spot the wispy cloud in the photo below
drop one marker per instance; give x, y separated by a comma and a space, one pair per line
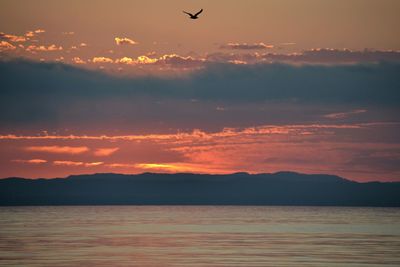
67, 163
76, 163
58, 149
298, 129
30, 161
342, 115
121, 165
93, 164
334, 56
103, 152
246, 46
124, 41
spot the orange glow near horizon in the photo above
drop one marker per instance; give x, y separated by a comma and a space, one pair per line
313, 148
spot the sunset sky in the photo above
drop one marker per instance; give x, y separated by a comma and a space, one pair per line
257, 86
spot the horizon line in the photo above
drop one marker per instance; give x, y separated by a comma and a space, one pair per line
194, 173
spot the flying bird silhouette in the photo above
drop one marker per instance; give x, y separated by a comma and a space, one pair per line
195, 16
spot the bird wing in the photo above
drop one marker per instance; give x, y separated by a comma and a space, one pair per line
190, 14
198, 13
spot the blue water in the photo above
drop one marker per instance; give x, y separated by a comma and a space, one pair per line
199, 236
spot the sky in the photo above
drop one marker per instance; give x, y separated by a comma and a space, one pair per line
251, 86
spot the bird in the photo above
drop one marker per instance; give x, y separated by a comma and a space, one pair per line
195, 16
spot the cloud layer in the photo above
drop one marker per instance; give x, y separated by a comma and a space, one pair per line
340, 119
52, 94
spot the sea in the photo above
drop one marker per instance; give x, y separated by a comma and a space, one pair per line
162, 236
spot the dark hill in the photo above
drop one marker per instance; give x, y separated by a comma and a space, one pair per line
282, 188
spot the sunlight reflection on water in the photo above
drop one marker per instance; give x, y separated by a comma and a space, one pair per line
199, 236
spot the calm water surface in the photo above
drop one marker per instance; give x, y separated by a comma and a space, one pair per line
199, 236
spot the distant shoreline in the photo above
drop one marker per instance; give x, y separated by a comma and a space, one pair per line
238, 189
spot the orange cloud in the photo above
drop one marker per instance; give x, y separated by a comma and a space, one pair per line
93, 164
4, 46
58, 149
125, 60
34, 33
30, 161
43, 48
102, 152
67, 163
76, 163
12, 38
238, 62
102, 60
246, 46
146, 60
138, 60
30, 34
76, 47
171, 61
175, 60
124, 41
78, 60
168, 60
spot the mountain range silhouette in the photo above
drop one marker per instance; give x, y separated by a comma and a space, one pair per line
282, 188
